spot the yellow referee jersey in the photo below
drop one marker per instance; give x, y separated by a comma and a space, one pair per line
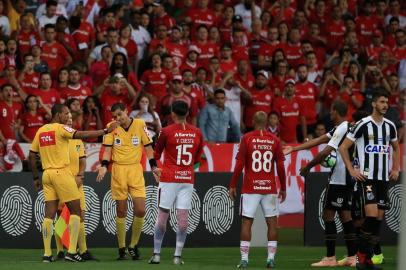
127, 144
52, 143
76, 151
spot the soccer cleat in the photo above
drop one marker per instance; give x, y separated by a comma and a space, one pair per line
326, 262
134, 252
47, 259
73, 257
243, 264
87, 256
61, 255
378, 259
177, 260
347, 261
270, 263
155, 259
368, 265
122, 256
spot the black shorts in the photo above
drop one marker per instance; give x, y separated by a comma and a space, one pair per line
374, 192
338, 198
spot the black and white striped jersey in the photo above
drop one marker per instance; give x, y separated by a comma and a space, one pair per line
372, 146
339, 175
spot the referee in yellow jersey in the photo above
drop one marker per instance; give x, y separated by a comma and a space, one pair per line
125, 146
51, 142
77, 158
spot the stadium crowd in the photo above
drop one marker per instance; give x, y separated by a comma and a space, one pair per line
227, 59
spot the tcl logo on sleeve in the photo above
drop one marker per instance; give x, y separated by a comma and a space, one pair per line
47, 138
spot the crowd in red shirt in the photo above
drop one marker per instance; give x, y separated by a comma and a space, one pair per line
291, 60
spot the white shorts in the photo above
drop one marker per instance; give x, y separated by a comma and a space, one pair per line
249, 204
169, 193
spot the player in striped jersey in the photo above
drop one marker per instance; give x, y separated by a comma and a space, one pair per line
372, 136
339, 189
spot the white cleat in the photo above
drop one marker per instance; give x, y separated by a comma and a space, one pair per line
155, 259
177, 260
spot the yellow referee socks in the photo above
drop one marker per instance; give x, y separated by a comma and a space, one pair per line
82, 238
58, 242
120, 223
74, 223
136, 231
47, 235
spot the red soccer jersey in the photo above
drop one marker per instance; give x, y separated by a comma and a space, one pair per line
26, 41
335, 31
306, 93
198, 94
99, 72
80, 92
293, 54
31, 123
182, 145
187, 66
248, 83
289, 114
30, 82
84, 35
50, 97
365, 28
108, 99
241, 53
207, 51
55, 55
258, 151
8, 116
199, 16
130, 47
399, 53
178, 52
261, 100
155, 82
373, 52
166, 20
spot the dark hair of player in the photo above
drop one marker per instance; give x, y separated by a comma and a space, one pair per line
379, 93
57, 108
51, 3
340, 107
219, 91
49, 25
180, 108
274, 113
358, 115
118, 106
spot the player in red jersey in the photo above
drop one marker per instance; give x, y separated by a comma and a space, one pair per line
258, 151
182, 145
10, 112
291, 113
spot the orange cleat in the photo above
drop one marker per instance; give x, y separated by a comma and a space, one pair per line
326, 262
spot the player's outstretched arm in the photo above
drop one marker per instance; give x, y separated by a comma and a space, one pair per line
32, 157
307, 145
95, 133
316, 160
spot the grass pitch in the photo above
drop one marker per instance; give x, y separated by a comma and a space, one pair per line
291, 255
